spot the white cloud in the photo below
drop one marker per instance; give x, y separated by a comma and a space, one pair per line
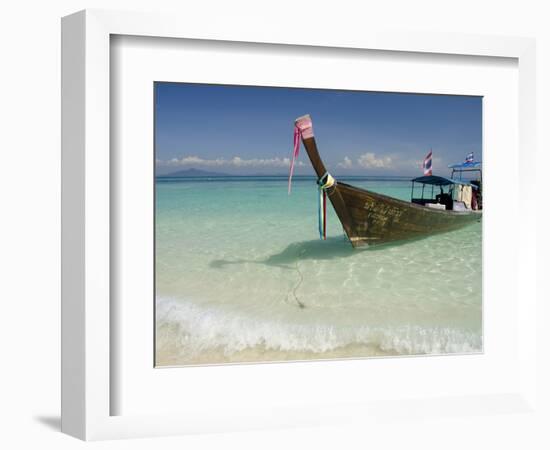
370, 161
345, 164
236, 161
259, 162
194, 160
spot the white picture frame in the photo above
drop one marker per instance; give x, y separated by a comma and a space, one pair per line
87, 328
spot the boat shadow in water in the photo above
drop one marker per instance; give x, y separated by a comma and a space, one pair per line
293, 254
331, 248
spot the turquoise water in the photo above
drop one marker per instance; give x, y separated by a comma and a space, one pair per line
241, 275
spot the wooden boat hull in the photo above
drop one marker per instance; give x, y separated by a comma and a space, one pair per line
378, 219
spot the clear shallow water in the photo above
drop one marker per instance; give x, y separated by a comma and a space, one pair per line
236, 257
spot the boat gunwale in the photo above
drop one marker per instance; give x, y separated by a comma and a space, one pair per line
411, 204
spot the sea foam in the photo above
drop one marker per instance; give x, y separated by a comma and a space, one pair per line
193, 329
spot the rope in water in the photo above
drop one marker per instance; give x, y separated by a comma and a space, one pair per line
297, 285
298, 302
325, 182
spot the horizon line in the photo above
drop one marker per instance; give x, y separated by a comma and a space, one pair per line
168, 175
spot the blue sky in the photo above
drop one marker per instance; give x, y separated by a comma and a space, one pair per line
248, 130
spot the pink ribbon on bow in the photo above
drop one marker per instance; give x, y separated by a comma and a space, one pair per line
295, 153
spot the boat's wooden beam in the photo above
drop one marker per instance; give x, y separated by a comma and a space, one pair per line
306, 129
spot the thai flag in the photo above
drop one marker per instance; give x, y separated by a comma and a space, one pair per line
470, 157
428, 164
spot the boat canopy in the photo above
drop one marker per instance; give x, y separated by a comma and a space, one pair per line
441, 181
466, 165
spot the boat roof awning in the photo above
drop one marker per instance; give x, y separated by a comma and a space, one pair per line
466, 165
440, 181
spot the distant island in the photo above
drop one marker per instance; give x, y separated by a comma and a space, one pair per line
194, 173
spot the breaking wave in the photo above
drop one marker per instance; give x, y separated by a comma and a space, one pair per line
194, 329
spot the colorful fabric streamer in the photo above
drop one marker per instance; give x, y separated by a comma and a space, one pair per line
322, 214
325, 182
295, 153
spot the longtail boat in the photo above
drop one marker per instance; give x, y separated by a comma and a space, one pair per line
370, 218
